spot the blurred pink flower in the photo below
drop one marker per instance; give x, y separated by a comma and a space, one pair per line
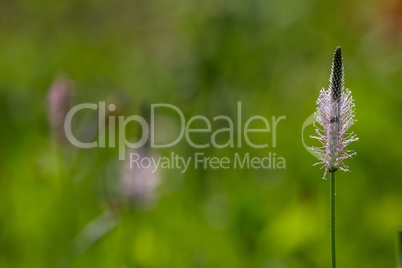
139, 182
59, 102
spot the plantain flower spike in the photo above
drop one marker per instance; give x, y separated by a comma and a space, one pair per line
60, 98
335, 115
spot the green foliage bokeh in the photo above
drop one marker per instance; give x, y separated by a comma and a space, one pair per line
204, 57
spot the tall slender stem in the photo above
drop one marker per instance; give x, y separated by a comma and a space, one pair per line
332, 207
400, 247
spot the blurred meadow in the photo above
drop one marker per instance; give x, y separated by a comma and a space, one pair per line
61, 206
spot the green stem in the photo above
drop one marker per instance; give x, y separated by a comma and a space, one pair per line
332, 207
400, 247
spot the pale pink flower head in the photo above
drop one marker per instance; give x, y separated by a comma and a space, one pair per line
139, 182
60, 98
335, 115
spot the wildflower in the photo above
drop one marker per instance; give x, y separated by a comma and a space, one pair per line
139, 182
59, 102
335, 115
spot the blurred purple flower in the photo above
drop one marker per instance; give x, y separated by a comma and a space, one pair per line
139, 182
59, 102
335, 114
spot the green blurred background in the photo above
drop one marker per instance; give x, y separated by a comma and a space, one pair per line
61, 206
